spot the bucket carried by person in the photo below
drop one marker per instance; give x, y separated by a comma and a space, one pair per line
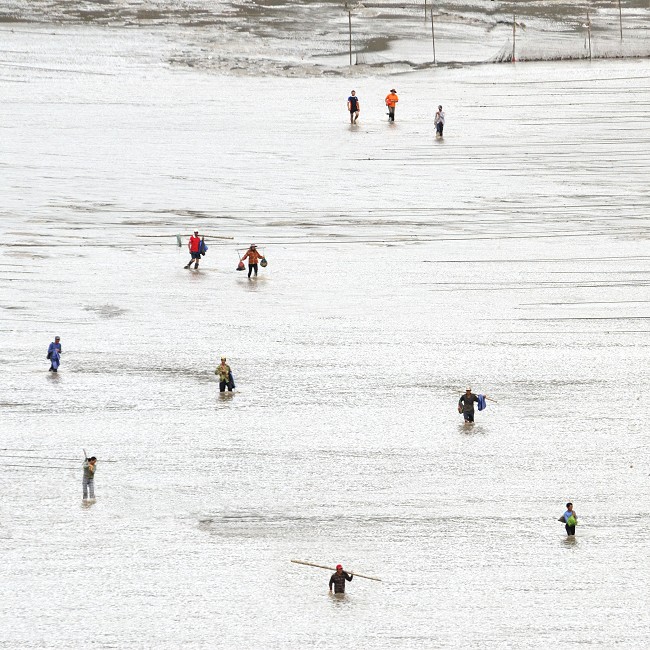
263, 262
240, 266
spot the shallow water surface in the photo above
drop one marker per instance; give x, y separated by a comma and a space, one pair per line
511, 255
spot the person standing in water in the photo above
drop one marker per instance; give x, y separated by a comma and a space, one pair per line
54, 354
253, 258
225, 376
569, 519
466, 404
194, 246
354, 107
391, 100
88, 484
338, 580
439, 121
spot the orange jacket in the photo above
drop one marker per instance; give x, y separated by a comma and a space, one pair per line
253, 256
391, 99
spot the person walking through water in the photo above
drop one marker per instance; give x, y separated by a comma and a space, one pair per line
466, 404
439, 121
225, 376
194, 246
569, 519
253, 258
391, 100
338, 580
354, 107
54, 354
89, 467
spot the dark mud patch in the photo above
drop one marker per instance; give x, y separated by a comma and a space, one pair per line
107, 311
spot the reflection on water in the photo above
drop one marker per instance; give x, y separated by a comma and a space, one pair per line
340, 600
570, 540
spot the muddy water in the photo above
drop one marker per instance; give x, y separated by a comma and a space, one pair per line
511, 255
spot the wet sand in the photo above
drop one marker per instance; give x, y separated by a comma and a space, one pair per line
292, 38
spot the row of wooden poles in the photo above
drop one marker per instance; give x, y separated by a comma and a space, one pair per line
350, 8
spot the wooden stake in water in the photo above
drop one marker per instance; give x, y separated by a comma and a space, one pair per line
589, 33
425, 11
620, 19
514, 36
329, 568
433, 36
350, 32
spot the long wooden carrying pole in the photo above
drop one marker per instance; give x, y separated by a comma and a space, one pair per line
329, 568
487, 398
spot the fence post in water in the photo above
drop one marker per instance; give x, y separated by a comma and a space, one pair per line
425, 10
589, 33
514, 35
350, 32
433, 36
620, 19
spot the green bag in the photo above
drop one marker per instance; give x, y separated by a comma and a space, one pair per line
571, 521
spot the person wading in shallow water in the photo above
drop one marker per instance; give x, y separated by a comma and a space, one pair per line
439, 121
338, 580
88, 483
569, 519
466, 405
54, 354
391, 101
225, 376
353, 107
253, 258
194, 246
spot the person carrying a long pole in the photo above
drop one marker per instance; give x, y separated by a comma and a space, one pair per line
88, 483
